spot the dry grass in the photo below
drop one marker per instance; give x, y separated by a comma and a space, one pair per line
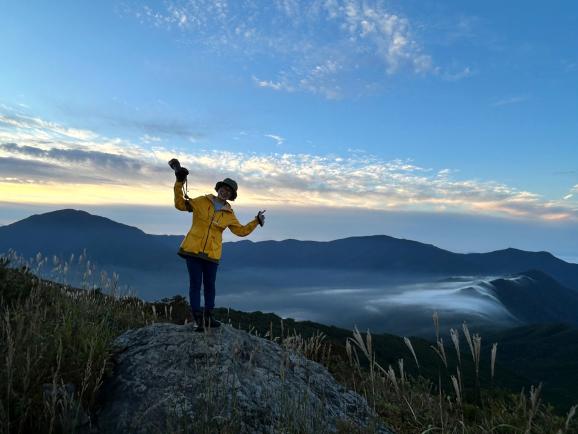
414, 405
55, 347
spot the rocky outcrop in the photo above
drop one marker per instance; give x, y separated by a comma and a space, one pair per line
168, 378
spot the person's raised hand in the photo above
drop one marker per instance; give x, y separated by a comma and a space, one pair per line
181, 174
261, 217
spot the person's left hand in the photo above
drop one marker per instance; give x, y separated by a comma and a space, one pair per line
261, 217
181, 174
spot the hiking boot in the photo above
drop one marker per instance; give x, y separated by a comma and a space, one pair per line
211, 322
198, 317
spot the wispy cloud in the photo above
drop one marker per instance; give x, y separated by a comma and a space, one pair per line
275, 85
278, 139
572, 193
457, 75
33, 148
58, 159
150, 139
73, 157
314, 45
31, 171
509, 101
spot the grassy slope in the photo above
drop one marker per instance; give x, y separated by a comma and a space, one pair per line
543, 353
57, 335
526, 356
390, 348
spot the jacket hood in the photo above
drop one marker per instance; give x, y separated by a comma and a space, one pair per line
226, 206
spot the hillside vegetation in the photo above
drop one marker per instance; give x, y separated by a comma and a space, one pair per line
56, 343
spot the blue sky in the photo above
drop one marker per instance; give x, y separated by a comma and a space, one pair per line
459, 109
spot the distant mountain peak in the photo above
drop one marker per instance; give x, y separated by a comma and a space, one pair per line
68, 211
514, 250
537, 275
72, 217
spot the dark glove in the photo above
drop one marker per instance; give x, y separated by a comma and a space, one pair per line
181, 174
261, 217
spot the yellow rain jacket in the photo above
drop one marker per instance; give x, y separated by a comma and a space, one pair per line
205, 238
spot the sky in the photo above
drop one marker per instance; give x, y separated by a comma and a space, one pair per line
448, 122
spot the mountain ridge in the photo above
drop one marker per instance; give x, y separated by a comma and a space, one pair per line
111, 243
535, 297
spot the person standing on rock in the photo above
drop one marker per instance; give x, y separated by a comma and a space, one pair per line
202, 245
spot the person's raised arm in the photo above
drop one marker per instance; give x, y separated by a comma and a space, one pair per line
243, 230
182, 202
181, 199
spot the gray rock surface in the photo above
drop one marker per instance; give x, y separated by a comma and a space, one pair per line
168, 378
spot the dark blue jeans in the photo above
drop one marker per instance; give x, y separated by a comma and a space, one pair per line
205, 273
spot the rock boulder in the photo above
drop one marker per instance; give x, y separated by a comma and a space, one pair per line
167, 378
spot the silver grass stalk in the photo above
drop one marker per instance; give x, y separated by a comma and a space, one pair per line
368, 340
440, 351
457, 389
358, 340
410, 346
459, 376
401, 372
455, 335
436, 321
468, 338
477, 341
390, 373
571, 414
493, 358
534, 403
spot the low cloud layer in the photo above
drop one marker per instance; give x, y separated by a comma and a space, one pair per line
74, 157
35, 150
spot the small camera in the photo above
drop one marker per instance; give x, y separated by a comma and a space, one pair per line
180, 172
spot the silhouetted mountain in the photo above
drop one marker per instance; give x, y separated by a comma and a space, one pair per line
534, 298
108, 242
372, 253
507, 260
70, 231
382, 253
